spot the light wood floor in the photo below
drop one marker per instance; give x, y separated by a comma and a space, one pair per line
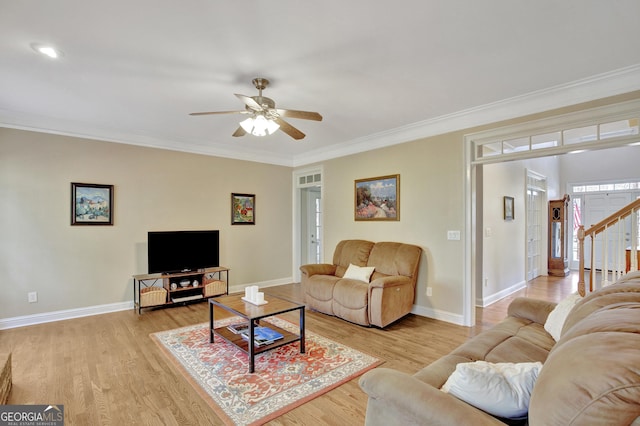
107, 371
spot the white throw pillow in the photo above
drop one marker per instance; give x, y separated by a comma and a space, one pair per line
557, 317
502, 389
361, 273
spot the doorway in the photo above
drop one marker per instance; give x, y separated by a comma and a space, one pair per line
311, 225
549, 137
308, 219
590, 206
536, 201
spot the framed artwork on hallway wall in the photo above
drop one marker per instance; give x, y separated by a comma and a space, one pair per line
508, 208
377, 198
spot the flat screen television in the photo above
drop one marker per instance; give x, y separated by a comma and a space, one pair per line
182, 251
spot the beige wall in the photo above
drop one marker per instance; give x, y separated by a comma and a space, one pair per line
74, 267
431, 200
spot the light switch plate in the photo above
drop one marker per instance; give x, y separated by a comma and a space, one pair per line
453, 235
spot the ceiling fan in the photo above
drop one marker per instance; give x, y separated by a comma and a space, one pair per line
264, 117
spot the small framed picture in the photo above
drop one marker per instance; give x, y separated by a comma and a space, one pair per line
91, 204
508, 208
377, 198
243, 209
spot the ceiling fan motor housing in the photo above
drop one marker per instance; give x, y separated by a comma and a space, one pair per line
264, 102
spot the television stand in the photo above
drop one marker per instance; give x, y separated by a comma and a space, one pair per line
163, 290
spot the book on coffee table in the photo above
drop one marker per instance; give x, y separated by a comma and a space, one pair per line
262, 335
239, 328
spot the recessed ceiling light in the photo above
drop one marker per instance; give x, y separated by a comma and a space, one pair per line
47, 50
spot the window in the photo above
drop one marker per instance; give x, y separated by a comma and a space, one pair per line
606, 187
612, 125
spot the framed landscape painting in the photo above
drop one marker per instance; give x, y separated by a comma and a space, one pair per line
243, 209
91, 204
377, 198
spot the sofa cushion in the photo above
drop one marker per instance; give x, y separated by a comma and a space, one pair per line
616, 293
392, 258
512, 340
352, 294
617, 317
351, 252
319, 292
350, 300
510, 386
555, 320
592, 376
361, 273
324, 288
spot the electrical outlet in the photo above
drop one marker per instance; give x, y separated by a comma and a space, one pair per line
429, 292
32, 296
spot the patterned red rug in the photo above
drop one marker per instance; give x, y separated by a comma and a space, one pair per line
283, 379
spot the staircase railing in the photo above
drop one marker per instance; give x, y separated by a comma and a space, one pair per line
611, 234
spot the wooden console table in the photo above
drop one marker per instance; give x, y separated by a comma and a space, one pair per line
155, 290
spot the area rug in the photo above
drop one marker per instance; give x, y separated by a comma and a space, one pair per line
283, 379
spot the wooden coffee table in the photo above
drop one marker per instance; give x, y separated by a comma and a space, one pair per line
253, 314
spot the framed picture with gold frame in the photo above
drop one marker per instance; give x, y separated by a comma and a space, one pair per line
377, 198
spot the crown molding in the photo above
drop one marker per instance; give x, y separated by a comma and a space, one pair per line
612, 83
43, 124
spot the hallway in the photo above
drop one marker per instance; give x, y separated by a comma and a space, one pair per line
549, 288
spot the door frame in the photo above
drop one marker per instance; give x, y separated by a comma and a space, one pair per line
542, 221
488, 146
312, 176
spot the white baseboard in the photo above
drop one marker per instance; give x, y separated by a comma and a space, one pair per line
261, 284
23, 321
486, 301
437, 314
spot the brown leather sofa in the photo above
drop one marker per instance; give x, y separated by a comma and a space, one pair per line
387, 297
590, 376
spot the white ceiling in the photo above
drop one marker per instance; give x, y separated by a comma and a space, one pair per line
378, 73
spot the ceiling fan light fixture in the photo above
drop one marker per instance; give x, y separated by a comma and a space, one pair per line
46, 50
259, 125
264, 119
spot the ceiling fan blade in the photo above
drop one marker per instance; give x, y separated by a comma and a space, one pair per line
305, 115
239, 132
289, 129
219, 112
250, 102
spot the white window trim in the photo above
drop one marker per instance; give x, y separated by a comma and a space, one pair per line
592, 117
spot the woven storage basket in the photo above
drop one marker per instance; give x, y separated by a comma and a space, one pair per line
215, 288
150, 296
